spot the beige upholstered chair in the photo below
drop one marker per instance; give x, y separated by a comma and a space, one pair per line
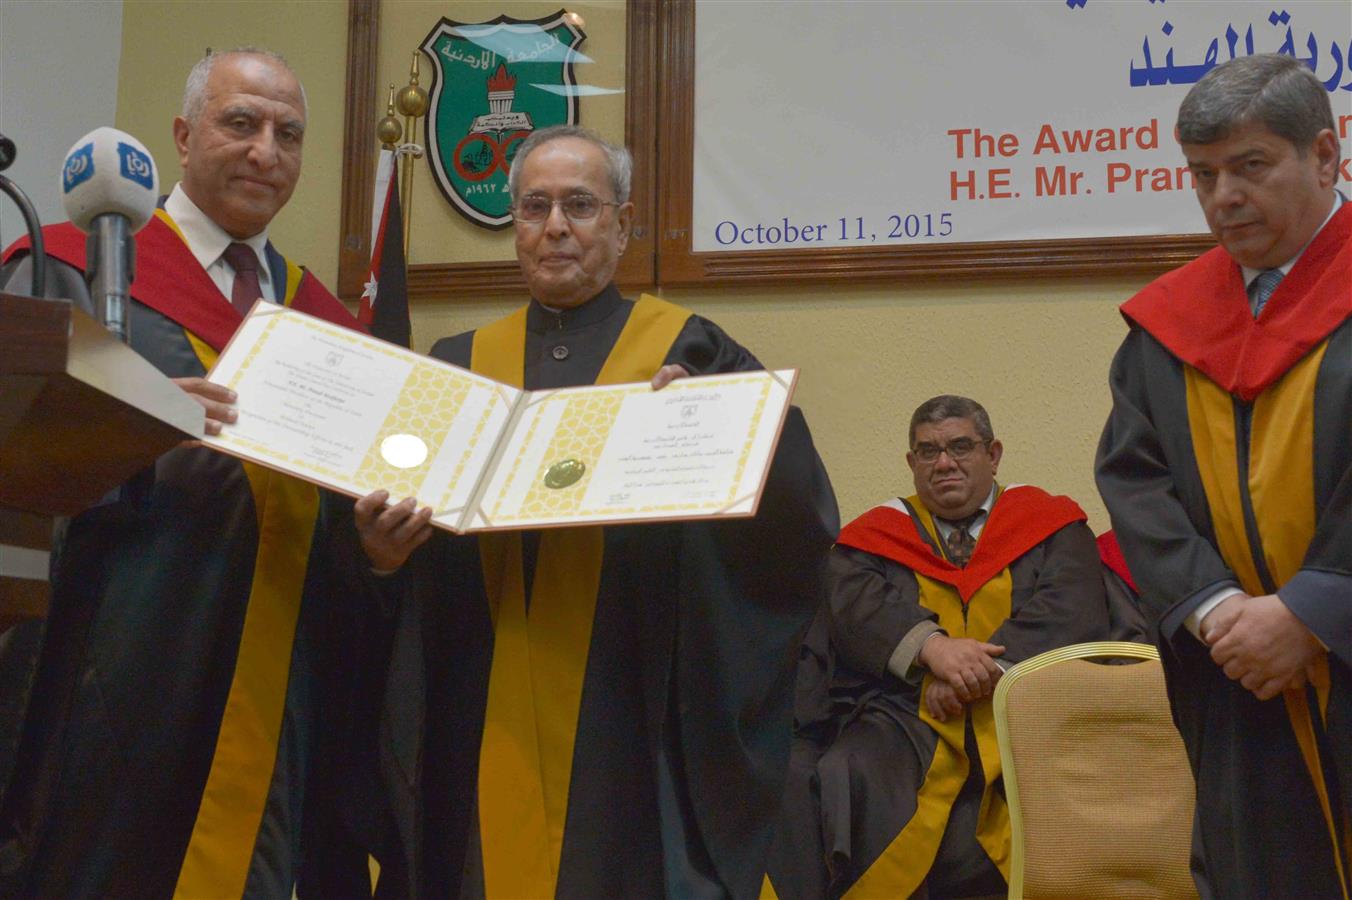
1100, 792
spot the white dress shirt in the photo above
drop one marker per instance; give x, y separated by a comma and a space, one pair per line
208, 241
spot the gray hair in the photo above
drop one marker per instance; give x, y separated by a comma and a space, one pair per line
619, 162
1269, 89
195, 89
950, 406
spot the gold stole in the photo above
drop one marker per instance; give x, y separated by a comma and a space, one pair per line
904, 864
1281, 491
221, 848
540, 653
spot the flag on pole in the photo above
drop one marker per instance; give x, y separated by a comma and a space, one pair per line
384, 300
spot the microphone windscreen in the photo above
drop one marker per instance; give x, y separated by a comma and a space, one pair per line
109, 171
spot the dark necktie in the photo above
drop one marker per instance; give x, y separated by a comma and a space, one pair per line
960, 542
245, 263
1261, 288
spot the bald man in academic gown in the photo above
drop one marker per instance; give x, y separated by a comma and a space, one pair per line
1226, 465
598, 712
167, 744
895, 786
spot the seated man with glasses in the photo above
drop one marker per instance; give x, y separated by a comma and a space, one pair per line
598, 712
894, 786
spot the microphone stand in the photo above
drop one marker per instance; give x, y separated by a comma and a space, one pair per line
30, 219
110, 266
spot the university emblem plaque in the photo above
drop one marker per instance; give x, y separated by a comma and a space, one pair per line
493, 83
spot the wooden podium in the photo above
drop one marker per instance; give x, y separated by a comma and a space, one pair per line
80, 413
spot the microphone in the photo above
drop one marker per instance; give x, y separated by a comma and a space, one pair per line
109, 187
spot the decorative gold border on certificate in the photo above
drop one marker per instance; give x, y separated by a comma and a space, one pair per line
427, 407
584, 429
254, 349
737, 502
567, 502
423, 376
515, 471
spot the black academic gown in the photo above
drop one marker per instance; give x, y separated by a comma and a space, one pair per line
1262, 830
1125, 620
151, 590
1227, 460
861, 751
683, 732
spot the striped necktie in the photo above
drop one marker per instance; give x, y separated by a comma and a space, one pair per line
1261, 288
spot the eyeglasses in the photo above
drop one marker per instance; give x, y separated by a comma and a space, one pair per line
535, 208
957, 450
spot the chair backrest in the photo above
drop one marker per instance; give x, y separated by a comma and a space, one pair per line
1099, 789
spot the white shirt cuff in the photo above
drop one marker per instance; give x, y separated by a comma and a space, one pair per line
1194, 620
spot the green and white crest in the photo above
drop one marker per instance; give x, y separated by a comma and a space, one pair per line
493, 83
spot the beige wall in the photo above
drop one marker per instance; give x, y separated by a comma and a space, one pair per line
162, 39
1036, 353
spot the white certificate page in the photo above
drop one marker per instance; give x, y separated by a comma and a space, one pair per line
357, 414
699, 448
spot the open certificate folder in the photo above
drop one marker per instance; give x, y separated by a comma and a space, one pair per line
356, 414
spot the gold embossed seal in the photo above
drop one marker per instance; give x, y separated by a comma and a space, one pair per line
564, 473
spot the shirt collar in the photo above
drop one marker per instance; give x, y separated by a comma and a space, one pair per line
1286, 267
945, 527
541, 318
207, 240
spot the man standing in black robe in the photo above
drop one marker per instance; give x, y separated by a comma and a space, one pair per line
653, 765
168, 745
1226, 465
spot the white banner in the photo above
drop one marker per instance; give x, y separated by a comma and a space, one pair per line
850, 124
